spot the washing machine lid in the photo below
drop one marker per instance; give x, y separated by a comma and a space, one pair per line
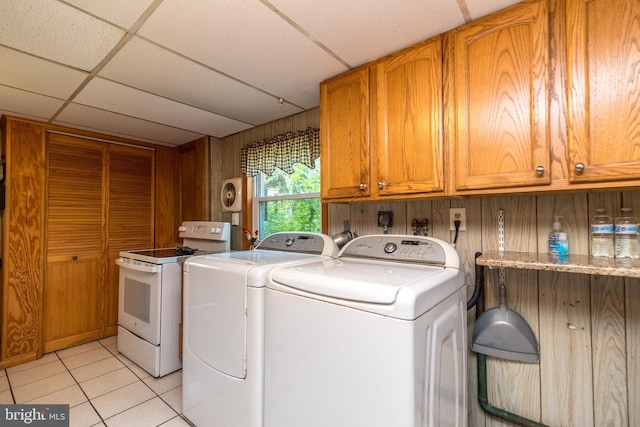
397, 289
253, 257
253, 265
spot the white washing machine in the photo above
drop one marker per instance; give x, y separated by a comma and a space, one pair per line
373, 338
223, 335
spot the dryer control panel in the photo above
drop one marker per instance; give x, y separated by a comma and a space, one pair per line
419, 249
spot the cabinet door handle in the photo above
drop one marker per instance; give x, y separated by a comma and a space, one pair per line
380, 185
540, 170
579, 167
363, 187
75, 257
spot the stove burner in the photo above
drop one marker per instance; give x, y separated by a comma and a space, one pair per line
185, 250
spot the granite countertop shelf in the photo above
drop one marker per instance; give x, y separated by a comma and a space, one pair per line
583, 264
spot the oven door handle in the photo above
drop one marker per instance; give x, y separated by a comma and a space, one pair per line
146, 268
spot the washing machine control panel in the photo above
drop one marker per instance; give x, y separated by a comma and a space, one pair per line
400, 248
310, 243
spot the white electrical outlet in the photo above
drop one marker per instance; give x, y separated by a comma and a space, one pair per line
459, 214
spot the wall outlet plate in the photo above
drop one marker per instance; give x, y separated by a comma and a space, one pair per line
458, 214
385, 219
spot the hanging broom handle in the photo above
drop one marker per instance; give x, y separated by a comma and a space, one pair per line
502, 292
501, 231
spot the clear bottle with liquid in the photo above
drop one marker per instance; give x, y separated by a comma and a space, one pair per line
626, 235
602, 231
558, 240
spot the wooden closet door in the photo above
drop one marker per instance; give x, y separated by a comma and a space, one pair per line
74, 287
130, 214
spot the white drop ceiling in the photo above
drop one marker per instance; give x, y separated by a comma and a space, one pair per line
171, 71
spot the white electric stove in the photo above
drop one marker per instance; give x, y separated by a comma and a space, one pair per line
149, 302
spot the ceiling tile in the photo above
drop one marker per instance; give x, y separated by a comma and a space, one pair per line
248, 41
52, 30
84, 117
360, 31
202, 67
27, 103
114, 97
120, 12
37, 75
151, 68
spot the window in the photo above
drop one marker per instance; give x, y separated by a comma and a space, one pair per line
287, 202
286, 186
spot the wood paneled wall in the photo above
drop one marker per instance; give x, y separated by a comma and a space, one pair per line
23, 272
588, 327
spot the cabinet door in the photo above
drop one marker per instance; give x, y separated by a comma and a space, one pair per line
602, 84
130, 214
344, 127
74, 287
409, 120
501, 99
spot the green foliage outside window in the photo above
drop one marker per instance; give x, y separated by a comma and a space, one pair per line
283, 208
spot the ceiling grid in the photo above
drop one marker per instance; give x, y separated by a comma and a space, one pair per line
170, 71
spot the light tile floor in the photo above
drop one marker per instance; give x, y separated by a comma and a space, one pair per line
101, 386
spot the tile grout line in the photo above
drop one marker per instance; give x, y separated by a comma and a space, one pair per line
102, 420
80, 387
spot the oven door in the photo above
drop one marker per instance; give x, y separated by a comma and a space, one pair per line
139, 299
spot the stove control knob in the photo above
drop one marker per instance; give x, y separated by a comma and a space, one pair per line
289, 241
390, 248
216, 230
182, 228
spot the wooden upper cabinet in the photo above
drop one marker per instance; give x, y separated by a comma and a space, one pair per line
381, 127
408, 132
344, 130
602, 84
501, 70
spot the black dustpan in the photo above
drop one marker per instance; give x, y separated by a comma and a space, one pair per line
503, 333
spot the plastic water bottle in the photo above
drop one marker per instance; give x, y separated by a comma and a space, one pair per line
602, 235
626, 235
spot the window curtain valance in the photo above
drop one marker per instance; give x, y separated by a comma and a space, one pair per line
282, 152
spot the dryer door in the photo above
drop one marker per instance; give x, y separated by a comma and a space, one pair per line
214, 313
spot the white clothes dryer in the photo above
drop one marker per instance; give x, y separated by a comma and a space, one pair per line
373, 338
223, 324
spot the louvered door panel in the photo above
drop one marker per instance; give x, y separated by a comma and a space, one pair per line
130, 214
75, 199
130, 198
74, 288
